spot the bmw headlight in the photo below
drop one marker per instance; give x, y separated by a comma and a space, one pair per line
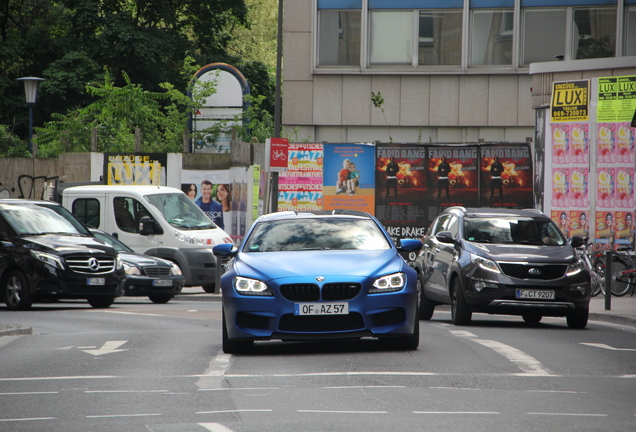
188, 239
485, 263
52, 260
131, 269
247, 286
388, 283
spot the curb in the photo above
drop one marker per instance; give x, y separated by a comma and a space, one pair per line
14, 330
612, 318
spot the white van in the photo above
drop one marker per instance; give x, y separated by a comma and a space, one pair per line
154, 220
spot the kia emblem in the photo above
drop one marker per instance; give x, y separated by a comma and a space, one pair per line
534, 272
93, 264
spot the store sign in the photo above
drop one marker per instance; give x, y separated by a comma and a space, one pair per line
570, 101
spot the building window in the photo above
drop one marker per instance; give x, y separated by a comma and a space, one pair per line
543, 35
339, 38
491, 37
440, 38
594, 33
630, 31
391, 38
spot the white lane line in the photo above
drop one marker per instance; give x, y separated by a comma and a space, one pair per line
607, 347
27, 419
554, 391
61, 378
126, 391
126, 313
525, 362
341, 412
362, 387
458, 412
238, 389
234, 411
329, 374
122, 415
28, 393
215, 427
569, 414
463, 333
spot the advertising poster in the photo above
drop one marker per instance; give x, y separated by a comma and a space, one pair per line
606, 147
625, 187
580, 143
560, 187
400, 189
579, 223
506, 176
579, 192
616, 99
625, 143
624, 229
604, 228
349, 177
562, 219
570, 101
212, 192
300, 187
453, 177
605, 190
560, 144
135, 168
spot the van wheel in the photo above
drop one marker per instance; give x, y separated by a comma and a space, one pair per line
460, 311
16, 291
426, 307
100, 302
160, 298
211, 288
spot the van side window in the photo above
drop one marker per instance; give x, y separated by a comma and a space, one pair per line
87, 210
128, 213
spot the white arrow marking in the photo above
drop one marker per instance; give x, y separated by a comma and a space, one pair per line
107, 348
607, 347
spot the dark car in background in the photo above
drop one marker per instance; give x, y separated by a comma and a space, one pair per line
502, 261
44, 256
319, 275
157, 278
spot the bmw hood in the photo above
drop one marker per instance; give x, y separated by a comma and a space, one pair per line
276, 265
523, 253
67, 244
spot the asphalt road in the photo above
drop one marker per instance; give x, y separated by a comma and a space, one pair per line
138, 366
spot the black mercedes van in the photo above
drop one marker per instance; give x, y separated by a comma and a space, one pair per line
43, 256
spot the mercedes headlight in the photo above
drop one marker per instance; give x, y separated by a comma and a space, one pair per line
131, 269
50, 259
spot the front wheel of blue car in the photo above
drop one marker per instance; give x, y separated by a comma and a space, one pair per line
234, 346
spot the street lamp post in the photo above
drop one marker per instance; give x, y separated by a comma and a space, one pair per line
31, 93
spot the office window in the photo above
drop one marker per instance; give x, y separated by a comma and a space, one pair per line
339, 38
491, 37
440, 37
594, 33
391, 37
543, 35
630, 31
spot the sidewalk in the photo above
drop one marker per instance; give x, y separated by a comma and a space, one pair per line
623, 310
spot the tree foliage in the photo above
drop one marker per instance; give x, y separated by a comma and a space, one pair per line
143, 45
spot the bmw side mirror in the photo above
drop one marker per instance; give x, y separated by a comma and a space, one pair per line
409, 245
577, 241
224, 250
445, 237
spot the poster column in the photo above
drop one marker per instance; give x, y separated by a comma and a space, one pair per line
300, 187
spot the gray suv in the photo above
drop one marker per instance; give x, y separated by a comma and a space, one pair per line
501, 261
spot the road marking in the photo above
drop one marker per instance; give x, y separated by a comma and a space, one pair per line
607, 347
27, 419
126, 313
234, 411
108, 348
569, 414
28, 393
341, 412
457, 412
215, 427
363, 387
530, 365
126, 391
122, 415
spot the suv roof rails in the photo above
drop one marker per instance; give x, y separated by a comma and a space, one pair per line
460, 208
